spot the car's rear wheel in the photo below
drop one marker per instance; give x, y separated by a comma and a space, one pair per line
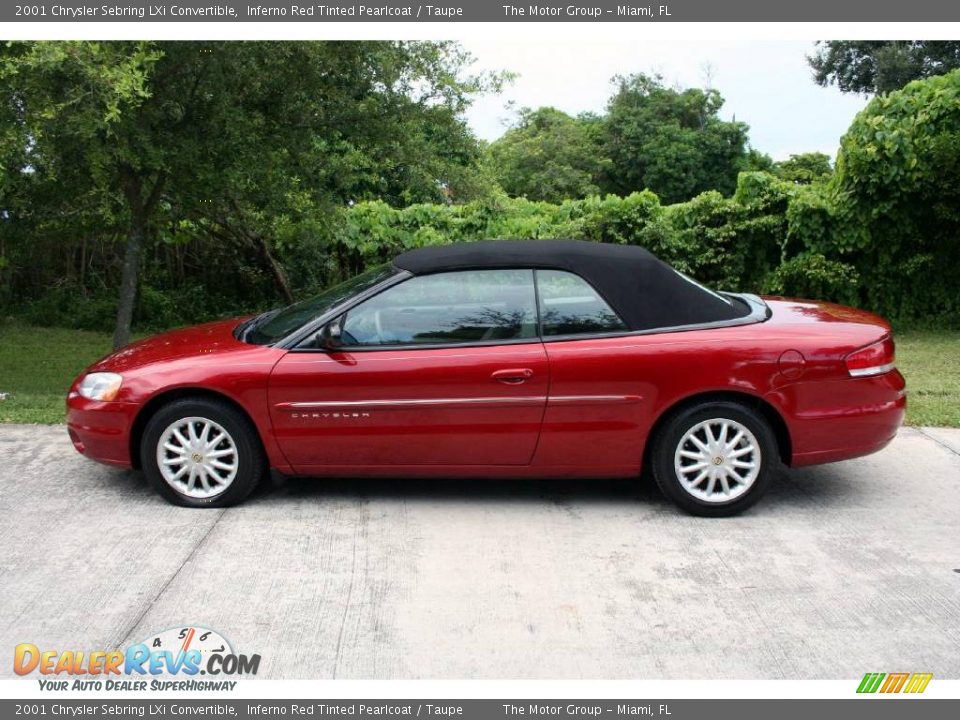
714, 459
201, 453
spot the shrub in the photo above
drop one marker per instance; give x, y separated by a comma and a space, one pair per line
895, 198
814, 276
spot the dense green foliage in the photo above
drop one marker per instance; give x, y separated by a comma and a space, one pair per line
652, 137
880, 66
727, 242
369, 155
804, 168
242, 148
549, 155
670, 141
881, 231
892, 209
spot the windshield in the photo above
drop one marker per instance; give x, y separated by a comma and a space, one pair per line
271, 327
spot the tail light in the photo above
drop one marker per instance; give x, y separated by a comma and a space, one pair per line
874, 359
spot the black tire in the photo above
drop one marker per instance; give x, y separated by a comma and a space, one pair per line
664, 448
250, 458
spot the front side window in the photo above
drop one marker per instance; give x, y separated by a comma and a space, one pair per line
270, 328
570, 306
446, 308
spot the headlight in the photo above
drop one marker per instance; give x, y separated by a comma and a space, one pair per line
100, 386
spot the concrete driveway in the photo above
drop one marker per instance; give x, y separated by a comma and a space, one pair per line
841, 570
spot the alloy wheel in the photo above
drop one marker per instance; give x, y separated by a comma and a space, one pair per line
717, 460
197, 457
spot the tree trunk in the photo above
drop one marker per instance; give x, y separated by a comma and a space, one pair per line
263, 248
140, 212
128, 281
279, 276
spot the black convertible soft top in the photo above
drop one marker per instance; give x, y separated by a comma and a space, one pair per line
643, 290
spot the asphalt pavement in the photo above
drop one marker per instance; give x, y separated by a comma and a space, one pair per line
842, 569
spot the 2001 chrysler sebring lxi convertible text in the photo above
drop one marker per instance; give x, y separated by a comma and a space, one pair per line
544, 358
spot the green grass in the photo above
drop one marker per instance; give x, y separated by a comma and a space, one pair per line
37, 365
930, 361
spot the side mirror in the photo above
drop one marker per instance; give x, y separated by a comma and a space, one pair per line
329, 336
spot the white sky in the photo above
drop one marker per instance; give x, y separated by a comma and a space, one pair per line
765, 83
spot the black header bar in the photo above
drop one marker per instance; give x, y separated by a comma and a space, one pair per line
483, 11
436, 709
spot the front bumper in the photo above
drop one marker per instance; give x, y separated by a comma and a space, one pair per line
101, 430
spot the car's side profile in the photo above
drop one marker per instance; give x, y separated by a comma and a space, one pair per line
501, 359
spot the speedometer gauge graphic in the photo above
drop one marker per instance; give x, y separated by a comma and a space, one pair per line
183, 639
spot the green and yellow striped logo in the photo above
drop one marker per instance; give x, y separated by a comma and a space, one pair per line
894, 682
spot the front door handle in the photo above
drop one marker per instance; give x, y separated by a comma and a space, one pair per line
512, 376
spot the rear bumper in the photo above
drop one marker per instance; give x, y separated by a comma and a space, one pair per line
846, 418
101, 430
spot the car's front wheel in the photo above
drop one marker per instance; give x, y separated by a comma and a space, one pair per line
714, 459
201, 453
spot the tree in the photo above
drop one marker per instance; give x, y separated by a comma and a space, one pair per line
804, 168
671, 141
549, 155
880, 66
233, 140
756, 161
891, 207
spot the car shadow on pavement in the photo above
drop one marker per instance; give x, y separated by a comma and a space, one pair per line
808, 488
791, 489
457, 489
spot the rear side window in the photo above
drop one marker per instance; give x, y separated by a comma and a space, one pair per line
454, 307
570, 306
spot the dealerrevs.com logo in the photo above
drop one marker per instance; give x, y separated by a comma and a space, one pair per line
184, 658
897, 682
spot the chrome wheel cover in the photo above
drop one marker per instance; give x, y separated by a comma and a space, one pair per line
717, 460
197, 457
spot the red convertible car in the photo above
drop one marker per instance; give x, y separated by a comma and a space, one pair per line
507, 359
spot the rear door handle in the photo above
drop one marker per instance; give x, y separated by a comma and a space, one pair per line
512, 376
